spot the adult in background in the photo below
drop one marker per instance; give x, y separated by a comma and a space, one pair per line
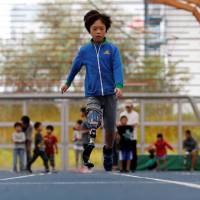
133, 120
27, 129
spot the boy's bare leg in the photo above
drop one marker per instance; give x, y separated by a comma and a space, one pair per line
194, 159
158, 165
109, 139
128, 165
121, 165
165, 164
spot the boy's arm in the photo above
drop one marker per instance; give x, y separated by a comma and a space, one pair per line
22, 139
56, 145
17, 140
13, 138
56, 148
169, 146
184, 144
76, 67
118, 69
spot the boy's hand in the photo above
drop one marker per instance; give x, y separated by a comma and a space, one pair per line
64, 88
118, 93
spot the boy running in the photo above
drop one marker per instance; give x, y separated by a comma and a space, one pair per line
103, 83
39, 148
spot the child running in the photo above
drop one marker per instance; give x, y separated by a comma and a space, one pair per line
39, 148
103, 83
51, 147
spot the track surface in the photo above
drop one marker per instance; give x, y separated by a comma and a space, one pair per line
100, 186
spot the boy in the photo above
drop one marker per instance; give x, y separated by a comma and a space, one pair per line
39, 148
191, 147
78, 146
51, 146
27, 129
161, 147
125, 154
18, 138
103, 83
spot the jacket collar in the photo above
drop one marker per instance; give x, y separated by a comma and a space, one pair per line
104, 41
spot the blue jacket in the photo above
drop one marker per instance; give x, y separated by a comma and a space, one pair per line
104, 70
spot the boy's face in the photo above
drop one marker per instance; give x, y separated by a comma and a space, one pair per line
18, 129
160, 138
124, 121
83, 115
98, 31
49, 131
39, 129
188, 136
78, 126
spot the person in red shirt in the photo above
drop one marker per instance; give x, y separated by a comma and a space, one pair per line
161, 147
51, 147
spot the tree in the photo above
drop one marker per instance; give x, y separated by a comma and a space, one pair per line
44, 55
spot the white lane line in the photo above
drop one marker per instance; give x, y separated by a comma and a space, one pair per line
21, 177
79, 183
186, 184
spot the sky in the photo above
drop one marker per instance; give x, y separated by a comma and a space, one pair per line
5, 6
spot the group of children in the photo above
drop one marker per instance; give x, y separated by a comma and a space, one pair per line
44, 147
123, 144
157, 151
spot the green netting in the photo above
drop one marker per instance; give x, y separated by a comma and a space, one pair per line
174, 162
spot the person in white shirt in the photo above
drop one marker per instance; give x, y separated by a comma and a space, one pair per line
18, 139
133, 120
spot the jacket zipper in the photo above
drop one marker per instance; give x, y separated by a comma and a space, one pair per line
97, 53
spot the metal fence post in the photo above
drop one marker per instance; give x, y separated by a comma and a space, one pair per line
24, 107
180, 136
142, 131
64, 133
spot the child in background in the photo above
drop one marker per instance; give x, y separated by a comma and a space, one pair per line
161, 147
85, 131
125, 154
19, 139
78, 146
39, 148
51, 146
151, 164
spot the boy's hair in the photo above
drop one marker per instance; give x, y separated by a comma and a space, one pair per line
25, 120
188, 132
18, 124
123, 117
79, 121
37, 125
50, 127
93, 15
83, 110
159, 135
